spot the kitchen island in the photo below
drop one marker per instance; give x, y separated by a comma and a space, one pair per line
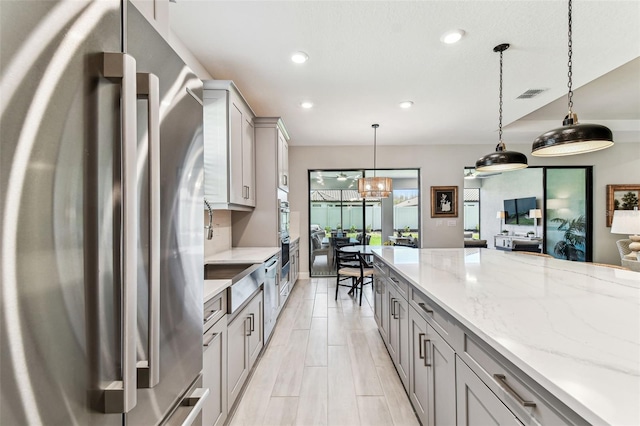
567, 332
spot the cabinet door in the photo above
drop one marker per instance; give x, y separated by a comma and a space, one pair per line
255, 335
248, 162
402, 361
476, 404
418, 380
236, 190
392, 327
237, 356
378, 295
283, 162
441, 359
214, 374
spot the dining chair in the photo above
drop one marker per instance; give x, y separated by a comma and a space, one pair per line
338, 242
352, 266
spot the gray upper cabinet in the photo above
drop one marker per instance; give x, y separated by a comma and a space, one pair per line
229, 147
283, 161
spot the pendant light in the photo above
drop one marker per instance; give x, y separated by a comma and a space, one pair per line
573, 137
374, 187
501, 160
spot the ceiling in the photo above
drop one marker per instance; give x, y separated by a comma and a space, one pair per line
367, 57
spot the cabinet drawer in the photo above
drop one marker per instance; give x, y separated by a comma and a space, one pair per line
214, 309
525, 398
440, 320
401, 284
380, 267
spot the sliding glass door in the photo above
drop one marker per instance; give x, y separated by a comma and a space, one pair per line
337, 210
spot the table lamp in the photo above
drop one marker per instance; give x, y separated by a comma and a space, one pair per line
628, 222
501, 215
535, 214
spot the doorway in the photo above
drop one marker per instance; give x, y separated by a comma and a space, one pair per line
336, 210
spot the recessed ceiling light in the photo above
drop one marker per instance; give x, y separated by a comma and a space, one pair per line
451, 37
406, 104
306, 104
299, 57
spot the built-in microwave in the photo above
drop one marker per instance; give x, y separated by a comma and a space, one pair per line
283, 223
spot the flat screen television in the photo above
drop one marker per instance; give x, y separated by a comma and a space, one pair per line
511, 215
517, 211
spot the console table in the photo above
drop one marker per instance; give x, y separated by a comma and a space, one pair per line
505, 242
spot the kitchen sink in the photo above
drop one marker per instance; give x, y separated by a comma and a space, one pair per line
229, 271
246, 280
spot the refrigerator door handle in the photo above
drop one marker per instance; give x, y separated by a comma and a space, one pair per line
120, 395
148, 87
196, 400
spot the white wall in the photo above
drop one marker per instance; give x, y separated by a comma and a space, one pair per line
519, 184
443, 165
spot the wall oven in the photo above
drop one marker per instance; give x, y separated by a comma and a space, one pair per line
283, 225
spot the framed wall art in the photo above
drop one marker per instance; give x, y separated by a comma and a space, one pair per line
621, 197
444, 201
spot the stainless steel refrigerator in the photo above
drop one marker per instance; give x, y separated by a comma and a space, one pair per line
102, 237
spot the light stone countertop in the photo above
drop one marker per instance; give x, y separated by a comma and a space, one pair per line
242, 255
571, 326
214, 287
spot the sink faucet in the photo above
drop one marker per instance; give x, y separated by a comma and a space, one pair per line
209, 227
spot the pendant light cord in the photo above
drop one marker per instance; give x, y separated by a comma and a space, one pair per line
375, 132
570, 64
500, 109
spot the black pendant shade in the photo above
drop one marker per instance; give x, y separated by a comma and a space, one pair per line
572, 139
501, 160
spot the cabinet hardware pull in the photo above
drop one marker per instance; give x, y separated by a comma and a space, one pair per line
213, 314
502, 382
392, 305
210, 339
420, 336
426, 353
424, 307
251, 322
393, 311
285, 180
245, 327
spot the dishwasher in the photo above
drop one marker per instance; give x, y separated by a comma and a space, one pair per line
270, 295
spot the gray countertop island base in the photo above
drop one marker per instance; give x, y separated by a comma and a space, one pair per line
572, 328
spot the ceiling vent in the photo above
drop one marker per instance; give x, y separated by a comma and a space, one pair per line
531, 93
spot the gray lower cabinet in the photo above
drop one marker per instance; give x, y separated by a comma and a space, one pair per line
398, 320
380, 306
256, 334
214, 373
243, 346
432, 387
476, 404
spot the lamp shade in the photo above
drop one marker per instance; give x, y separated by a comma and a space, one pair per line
626, 222
501, 214
535, 214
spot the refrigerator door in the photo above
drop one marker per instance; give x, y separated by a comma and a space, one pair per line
61, 212
181, 225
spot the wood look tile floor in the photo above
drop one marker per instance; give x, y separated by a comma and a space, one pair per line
326, 364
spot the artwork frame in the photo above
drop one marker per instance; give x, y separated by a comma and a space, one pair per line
615, 193
444, 201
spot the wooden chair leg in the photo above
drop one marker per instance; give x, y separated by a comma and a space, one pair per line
337, 285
